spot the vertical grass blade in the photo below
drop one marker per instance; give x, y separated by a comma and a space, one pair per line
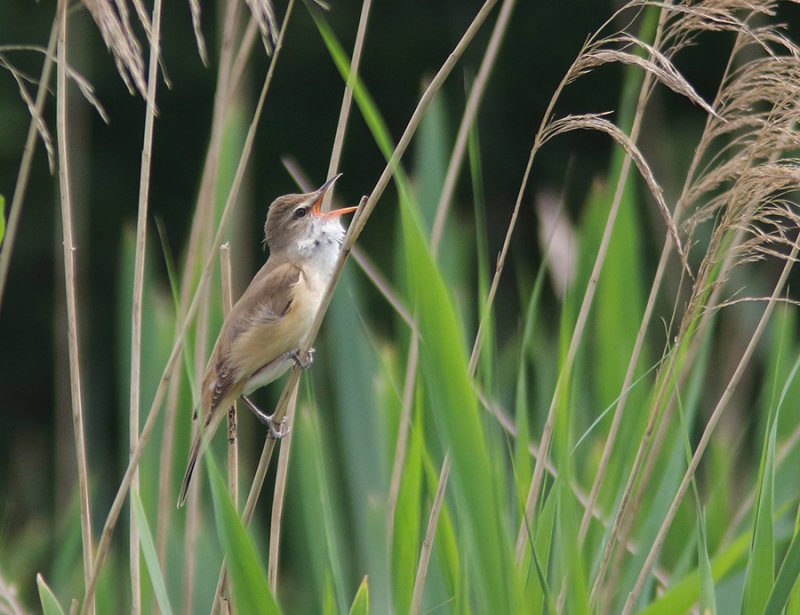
476, 479
685, 592
149, 552
787, 578
405, 541
50, 605
760, 574
793, 606
360, 604
708, 601
246, 570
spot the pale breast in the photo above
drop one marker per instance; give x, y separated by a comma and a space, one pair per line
263, 345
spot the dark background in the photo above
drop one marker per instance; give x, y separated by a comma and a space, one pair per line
406, 43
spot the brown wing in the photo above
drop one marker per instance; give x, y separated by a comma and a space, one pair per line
265, 302
257, 328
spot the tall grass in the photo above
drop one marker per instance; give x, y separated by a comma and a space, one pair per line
587, 454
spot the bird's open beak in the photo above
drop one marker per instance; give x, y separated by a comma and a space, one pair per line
323, 189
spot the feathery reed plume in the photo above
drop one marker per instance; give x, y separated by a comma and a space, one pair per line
116, 31
740, 178
264, 16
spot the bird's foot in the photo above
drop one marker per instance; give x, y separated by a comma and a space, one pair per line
283, 428
303, 360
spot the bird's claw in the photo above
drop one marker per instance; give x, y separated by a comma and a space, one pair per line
283, 428
303, 359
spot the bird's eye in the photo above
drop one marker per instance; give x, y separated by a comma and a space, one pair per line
300, 212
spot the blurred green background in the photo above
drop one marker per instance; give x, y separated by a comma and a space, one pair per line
404, 47
405, 44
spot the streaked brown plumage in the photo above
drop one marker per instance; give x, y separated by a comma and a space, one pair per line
264, 330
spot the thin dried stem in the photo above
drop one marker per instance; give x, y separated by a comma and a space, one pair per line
72, 310
12, 224
172, 361
278, 500
356, 226
617, 418
233, 427
201, 241
347, 100
366, 207
138, 291
402, 435
707, 432
430, 534
242, 57
467, 120
644, 443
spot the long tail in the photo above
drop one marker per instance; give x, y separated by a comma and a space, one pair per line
204, 432
194, 455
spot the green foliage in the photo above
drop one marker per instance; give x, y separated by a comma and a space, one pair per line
150, 556
455, 412
360, 604
50, 605
247, 573
731, 546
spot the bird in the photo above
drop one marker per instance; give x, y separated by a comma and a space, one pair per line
264, 332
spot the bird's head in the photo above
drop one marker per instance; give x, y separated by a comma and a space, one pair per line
294, 221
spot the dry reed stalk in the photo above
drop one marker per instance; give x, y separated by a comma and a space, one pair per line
680, 206
233, 427
644, 92
709, 429
467, 120
621, 181
241, 58
34, 129
404, 425
278, 499
283, 458
453, 168
756, 135
659, 66
138, 289
69, 281
384, 288
201, 248
430, 534
347, 99
356, 226
366, 206
172, 361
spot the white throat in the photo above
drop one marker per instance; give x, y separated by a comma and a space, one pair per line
319, 246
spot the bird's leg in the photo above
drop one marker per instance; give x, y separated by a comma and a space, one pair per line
304, 361
280, 432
